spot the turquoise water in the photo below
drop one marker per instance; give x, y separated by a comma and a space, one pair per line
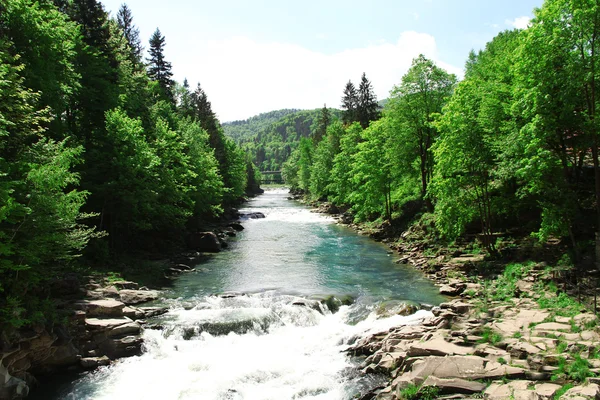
296, 251
272, 340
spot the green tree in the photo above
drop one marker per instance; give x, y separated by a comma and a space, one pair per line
342, 184
367, 108
350, 104
412, 108
130, 32
159, 69
322, 124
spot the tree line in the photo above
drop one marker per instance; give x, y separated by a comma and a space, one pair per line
102, 153
511, 147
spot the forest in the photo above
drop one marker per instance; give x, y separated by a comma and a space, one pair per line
102, 153
511, 149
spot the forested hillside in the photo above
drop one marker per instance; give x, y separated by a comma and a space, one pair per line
101, 153
511, 148
271, 137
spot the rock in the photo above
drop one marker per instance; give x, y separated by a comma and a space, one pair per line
457, 306
453, 289
397, 307
464, 367
154, 311
546, 390
133, 313
102, 308
125, 285
236, 226
520, 350
129, 296
122, 347
454, 385
103, 324
94, 362
437, 347
591, 391
253, 215
181, 267
125, 329
517, 390
205, 241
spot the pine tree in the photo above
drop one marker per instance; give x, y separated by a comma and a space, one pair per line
322, 124
159, 69
131, 32
368, 109
349, 103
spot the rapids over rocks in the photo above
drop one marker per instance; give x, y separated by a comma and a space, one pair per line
269, 318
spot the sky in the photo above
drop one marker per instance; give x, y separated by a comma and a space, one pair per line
262, 55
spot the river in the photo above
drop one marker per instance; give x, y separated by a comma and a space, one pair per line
247, 324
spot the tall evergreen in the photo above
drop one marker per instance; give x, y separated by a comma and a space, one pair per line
349, 103
159, 69
368, 109
322, 124
130, 31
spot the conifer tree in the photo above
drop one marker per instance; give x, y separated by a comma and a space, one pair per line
322, 124
159, 69
349, 103
367, 108
131, 32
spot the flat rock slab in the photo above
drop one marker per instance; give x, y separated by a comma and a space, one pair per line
105, 323
131, 328
547, 390
591, 391
553, 326
130, 296
438, 347
454, 385
464, 367
517, 390
103, 308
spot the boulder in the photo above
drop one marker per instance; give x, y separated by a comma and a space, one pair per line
122, 347
129, 296
236, 226
131, 328
205, 241
102, 308
154, 311
94, 362
452, 289
253, 215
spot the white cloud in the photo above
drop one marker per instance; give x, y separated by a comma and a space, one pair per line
243, 77
519, 22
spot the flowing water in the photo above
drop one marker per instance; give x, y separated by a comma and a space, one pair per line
281, 335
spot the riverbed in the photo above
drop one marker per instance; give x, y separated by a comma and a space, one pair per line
270, 317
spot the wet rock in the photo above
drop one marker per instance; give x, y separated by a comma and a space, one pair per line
154, 311
205, 241
131, 328
94, 362
253, 215
236, 226
397, 307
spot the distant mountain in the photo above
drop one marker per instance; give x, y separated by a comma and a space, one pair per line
271, 137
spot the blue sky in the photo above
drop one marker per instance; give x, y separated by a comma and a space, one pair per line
258, 56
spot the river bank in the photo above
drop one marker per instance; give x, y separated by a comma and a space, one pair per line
509, 336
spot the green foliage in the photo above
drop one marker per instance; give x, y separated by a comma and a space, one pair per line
577, 370
413, 392
560, 304
488, 335
564, 389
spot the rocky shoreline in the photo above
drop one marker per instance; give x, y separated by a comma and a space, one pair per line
510, 349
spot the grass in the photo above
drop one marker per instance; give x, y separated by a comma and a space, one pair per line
490, 336
562, 391
561, 304
578, 370
414, 392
